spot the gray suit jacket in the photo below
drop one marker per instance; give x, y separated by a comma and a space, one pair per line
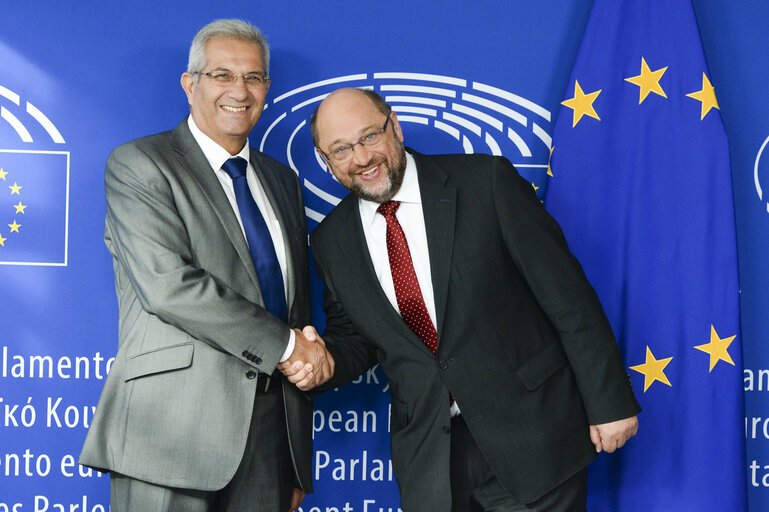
176, 406
523, 343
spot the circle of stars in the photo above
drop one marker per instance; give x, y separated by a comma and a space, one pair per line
653, 369
648, 81
15, 190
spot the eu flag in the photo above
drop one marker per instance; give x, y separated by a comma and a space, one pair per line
641, 185
34, 190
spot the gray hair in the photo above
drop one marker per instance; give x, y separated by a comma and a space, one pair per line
232, 29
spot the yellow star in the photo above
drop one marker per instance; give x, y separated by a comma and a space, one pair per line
14, 227
14, 188
3, 174
20, 207
549, 170
648, 81
2, 240
582, 103
535, 187
652, 369
706, 95
717, 348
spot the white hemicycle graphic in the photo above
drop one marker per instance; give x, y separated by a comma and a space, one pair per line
34, 226
31, 110
477, 116
756, 166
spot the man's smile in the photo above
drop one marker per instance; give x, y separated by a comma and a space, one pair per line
369, 172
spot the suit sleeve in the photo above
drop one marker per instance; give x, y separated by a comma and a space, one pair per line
541, 253
352, 353
150, 242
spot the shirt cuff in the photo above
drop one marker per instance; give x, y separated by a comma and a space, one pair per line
290, 346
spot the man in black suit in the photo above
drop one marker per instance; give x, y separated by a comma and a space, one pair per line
506, 379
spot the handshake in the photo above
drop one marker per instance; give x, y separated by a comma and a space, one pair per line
310, 364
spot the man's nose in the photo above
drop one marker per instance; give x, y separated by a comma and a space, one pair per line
360, 154
238, 89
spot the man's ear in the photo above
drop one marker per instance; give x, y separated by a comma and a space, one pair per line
396, 126
319, 152
188, 84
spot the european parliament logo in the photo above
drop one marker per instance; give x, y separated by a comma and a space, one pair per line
34, 187
439, 114
761, 171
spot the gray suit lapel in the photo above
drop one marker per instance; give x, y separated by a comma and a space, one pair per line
352, 243
439, 204
194, 161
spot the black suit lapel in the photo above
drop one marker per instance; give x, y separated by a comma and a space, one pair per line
439, 204
352, 244
193, 160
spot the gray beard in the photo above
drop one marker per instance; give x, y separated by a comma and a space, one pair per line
394, 181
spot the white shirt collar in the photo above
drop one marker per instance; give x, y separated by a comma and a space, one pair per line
214, 153
408, 193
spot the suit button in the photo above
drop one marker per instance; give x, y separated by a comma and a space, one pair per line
446, 429
246, 353
443, 364
258, 360
251, 374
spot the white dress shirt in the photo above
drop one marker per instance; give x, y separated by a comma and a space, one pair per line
216, 156
411, 218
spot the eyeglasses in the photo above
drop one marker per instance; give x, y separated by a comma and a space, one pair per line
227, 78
343, 153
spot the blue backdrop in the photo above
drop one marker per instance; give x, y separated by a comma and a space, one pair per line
79, 78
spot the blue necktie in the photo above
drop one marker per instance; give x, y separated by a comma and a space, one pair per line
259, 240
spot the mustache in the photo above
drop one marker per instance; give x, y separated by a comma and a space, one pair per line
371, 163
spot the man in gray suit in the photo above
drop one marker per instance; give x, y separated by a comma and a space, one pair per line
209, 247
506, 379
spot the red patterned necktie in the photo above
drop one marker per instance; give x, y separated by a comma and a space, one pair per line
407, 291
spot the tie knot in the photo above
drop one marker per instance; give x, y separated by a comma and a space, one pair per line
235, 167
388, 208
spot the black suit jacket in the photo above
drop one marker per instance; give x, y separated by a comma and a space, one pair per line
523, 343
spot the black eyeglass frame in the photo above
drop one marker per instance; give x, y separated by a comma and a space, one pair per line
362, 141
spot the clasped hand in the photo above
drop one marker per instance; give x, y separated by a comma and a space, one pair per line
310, 364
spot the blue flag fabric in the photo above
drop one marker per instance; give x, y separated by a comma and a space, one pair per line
34, 188
641, 186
